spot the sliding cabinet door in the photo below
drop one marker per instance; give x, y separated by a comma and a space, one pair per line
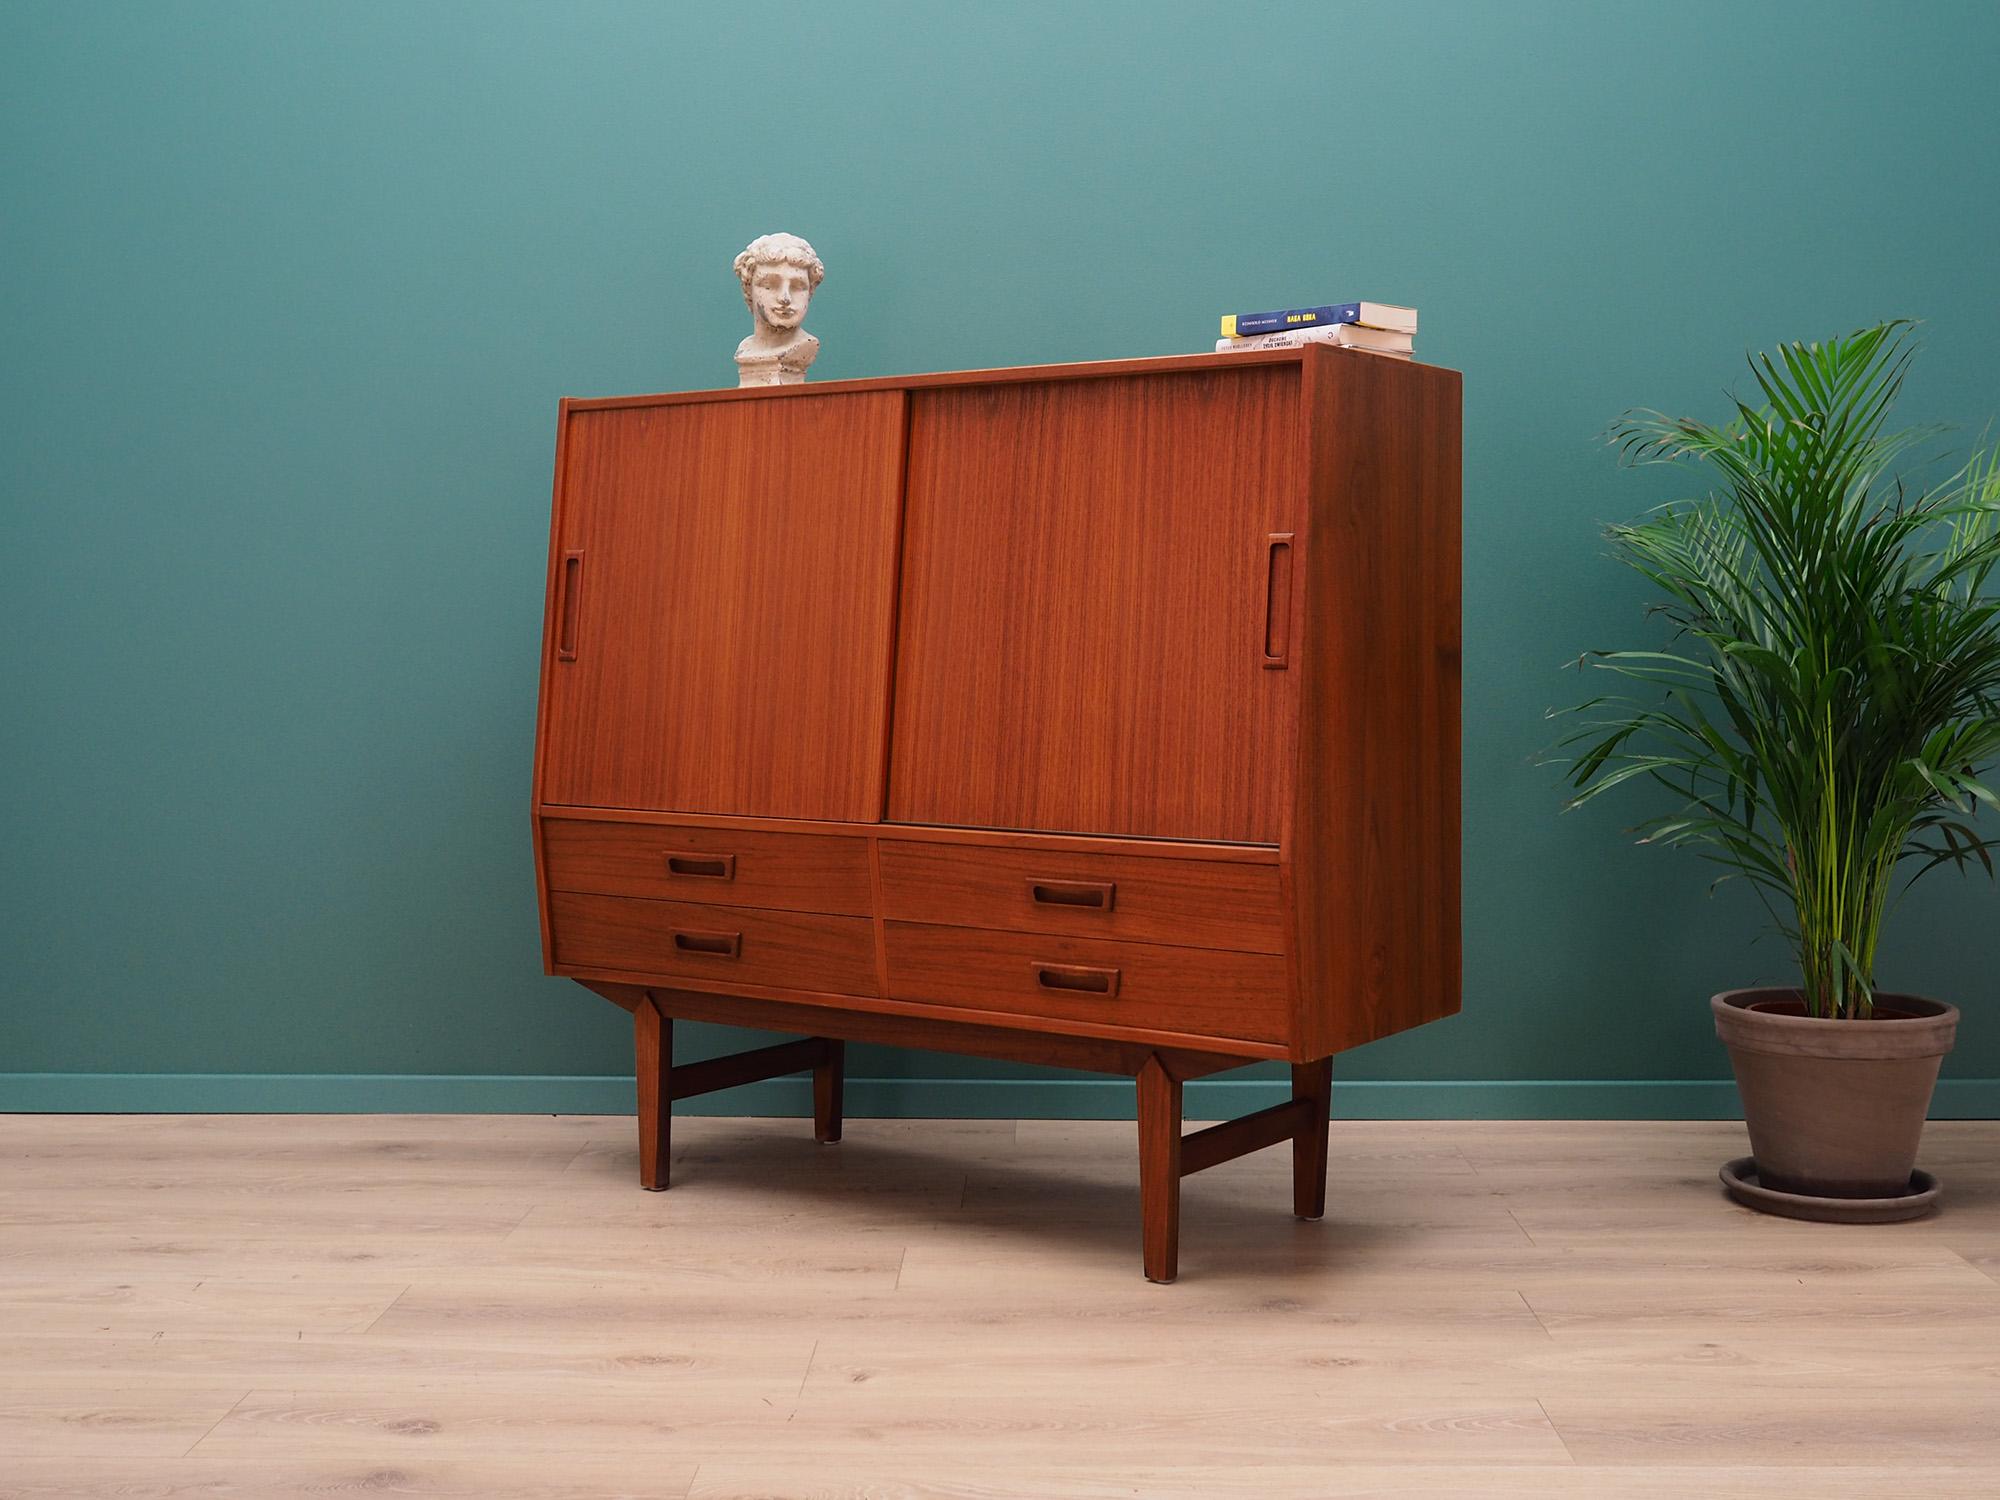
1097, 605
720, 615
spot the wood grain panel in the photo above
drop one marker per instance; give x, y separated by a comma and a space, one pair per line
894, 1024
835, 955
729, 610
1186, 902
1375, 846
1084, 602
1198, 992
730, 867
1095, 369
1248, 854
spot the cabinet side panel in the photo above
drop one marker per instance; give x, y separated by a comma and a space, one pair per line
720, 641
1086, 582
1375, 856
542, 691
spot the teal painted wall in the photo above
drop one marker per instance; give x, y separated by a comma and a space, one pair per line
288, 293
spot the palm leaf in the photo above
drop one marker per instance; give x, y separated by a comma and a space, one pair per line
1828, 703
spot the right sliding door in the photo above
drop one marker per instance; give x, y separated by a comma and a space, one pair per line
1097, 606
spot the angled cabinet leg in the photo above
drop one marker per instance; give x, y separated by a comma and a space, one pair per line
1160, 1169
653, 1053
829, 1087
1312, 1086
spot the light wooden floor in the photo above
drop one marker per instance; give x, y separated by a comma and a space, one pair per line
325, 1306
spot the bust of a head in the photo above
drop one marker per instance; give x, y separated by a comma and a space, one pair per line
778, 274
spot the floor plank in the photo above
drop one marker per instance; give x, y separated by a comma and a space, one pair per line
902, 1480
553, 1476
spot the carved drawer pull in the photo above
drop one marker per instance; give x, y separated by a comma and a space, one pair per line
1278, 600
568, 602
1090, 895
703, 866
716, 944
1077, 978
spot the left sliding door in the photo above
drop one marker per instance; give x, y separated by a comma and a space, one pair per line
721, 606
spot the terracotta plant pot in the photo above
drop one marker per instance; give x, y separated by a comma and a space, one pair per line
1835, 1108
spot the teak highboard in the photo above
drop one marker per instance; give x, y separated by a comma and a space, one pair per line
1098, 715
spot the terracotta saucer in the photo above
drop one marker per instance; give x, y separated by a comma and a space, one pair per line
1740, 1178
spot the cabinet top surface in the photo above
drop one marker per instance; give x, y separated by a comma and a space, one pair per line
1087, 370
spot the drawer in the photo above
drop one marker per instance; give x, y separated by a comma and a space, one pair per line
739, 945
1200, 991
669, 862
1193, 902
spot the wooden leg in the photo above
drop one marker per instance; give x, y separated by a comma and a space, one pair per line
653, 1053
1160, 1169
1312, 1084
829, 1085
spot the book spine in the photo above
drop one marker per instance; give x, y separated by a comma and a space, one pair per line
1293, 341
1350, 335
1247, 325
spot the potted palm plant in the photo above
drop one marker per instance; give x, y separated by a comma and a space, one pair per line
1819, 719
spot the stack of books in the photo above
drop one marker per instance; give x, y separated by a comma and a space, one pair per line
1375, 326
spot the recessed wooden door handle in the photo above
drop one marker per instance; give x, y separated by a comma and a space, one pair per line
1090, 895
703, 866
1278, 600
1079, 978
568, 601
719, 944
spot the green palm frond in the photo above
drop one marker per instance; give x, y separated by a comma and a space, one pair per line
1828, 704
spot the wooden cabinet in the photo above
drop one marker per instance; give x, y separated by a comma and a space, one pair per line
1102, 715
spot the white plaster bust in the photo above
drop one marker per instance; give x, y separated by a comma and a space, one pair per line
779, 273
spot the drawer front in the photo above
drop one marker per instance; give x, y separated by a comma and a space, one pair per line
1140, 898
730, 867
738, 945
1199, 991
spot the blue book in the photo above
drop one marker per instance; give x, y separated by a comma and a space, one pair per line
1369, 314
